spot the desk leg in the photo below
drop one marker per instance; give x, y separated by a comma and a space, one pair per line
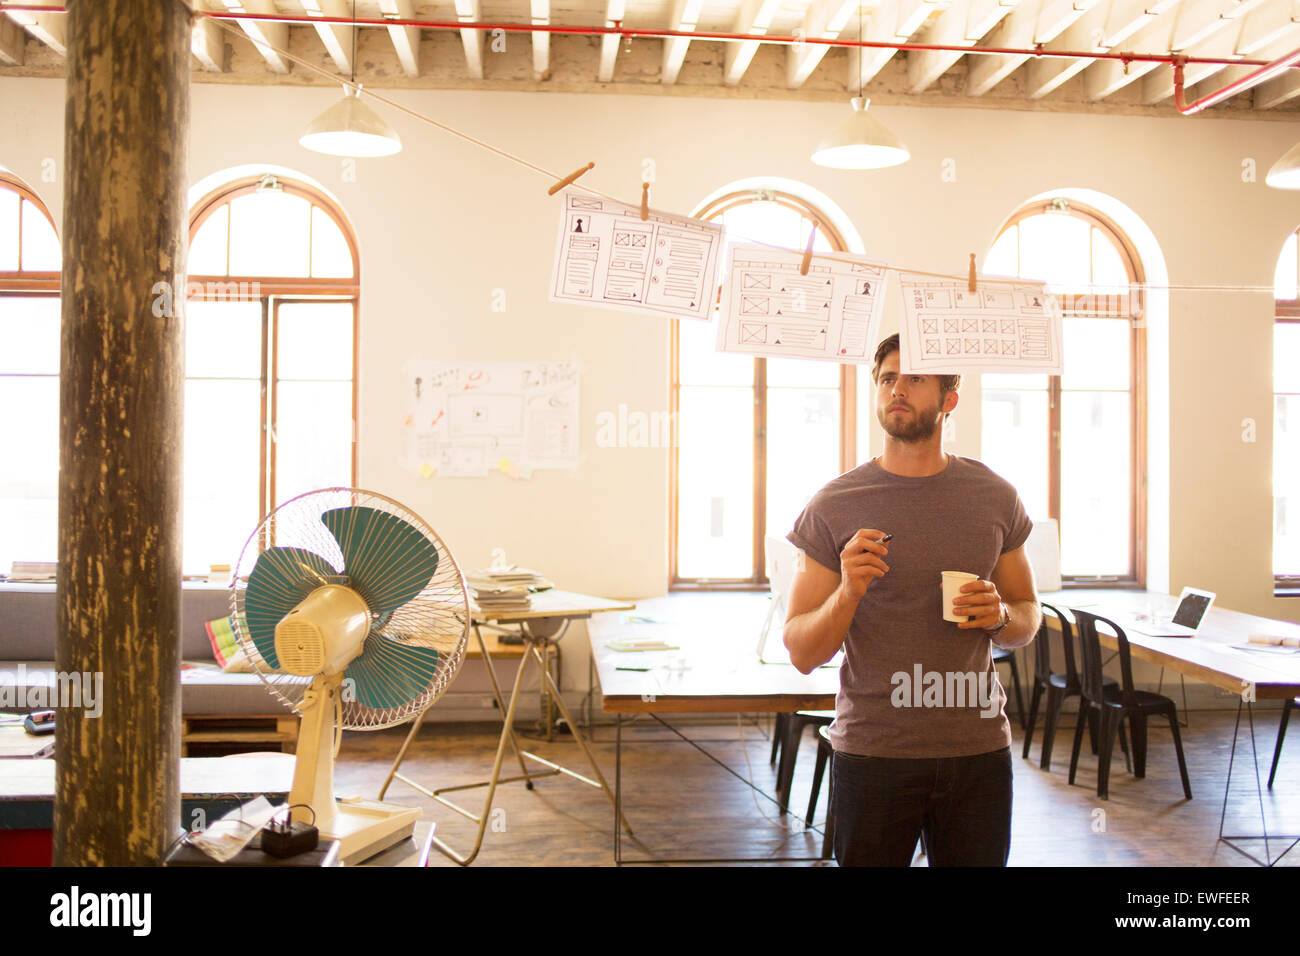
1269, 858
492, 783
618, 787
577, 734
501, 706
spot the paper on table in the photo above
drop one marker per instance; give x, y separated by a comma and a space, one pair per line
1001, 327
606, 256
226, 837
768, 308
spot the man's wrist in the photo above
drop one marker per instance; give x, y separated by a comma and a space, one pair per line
1004, 618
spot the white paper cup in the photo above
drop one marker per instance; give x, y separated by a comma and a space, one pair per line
953, 581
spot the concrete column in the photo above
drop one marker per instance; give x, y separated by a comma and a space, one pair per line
122, 377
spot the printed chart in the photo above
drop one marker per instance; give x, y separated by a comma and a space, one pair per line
466, 419
768, 308
606, 256
1003, 326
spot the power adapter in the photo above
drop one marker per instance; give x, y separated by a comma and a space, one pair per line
281, 839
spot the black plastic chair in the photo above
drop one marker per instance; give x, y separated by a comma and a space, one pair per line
1057, 687
1290, 705
1003, 655
824, 752
1113, 704
785, 744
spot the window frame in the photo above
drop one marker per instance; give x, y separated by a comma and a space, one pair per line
1136, 576
274, 292
757, 581
24, 281
31, 284
1285, 312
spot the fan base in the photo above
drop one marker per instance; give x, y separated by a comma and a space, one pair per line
365, 828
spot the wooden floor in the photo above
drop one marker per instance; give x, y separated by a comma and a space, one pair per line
681, 804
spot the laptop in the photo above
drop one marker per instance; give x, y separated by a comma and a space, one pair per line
784, 561
1193, 605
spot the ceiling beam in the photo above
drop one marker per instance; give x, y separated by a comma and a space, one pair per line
469, 11
1105, 77
1103, 27
825, 19
754, 18
45, 27
1280, 89
962, 24
13, 43
1034, 21
540, 13
207, 43
614, 10
1283, 42
264, 34
406, 40
1159, 84
337, 37
685, 18
891, 21
1268, 24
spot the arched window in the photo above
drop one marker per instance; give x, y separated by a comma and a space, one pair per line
271, 358
1075, 445
1286, 419
30, 263
753, 438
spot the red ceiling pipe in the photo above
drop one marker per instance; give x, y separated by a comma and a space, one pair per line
1265, 72
631, 33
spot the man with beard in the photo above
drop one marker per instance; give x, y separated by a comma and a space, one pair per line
906, 766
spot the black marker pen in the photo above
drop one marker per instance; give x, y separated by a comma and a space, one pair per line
888, 537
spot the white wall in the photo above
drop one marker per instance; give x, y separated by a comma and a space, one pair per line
443, 224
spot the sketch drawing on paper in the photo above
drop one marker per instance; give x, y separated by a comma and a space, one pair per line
464, 417
1004, 326
768, 308
606, 256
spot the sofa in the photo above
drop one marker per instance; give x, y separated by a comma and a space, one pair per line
210, 698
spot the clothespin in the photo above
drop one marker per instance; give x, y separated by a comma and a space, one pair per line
970, 279
645, 201
567, 180
807, 253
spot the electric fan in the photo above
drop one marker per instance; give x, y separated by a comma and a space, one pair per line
355, 616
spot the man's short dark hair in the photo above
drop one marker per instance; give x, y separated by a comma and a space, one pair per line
947, 383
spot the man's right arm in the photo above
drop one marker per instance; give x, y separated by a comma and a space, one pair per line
822, 603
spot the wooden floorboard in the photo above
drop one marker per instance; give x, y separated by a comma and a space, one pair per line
681, 804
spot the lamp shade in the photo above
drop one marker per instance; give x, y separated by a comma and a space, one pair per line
1285, 173
861, 142
350, 128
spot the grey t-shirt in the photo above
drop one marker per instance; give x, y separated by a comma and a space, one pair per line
905, 667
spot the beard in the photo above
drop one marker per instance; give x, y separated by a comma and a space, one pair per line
920, 427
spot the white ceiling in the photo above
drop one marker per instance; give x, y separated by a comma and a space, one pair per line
32, 44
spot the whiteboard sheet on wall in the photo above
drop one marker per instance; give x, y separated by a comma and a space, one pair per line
768, 308
606, 256
1001, 327
468, 418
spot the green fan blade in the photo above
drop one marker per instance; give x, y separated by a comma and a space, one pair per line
281, 578
389, 674
387, 561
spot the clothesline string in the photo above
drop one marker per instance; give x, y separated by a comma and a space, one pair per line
824, 256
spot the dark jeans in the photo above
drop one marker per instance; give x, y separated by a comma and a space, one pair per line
880, 805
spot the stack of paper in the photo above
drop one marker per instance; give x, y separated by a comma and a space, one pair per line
506, 589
